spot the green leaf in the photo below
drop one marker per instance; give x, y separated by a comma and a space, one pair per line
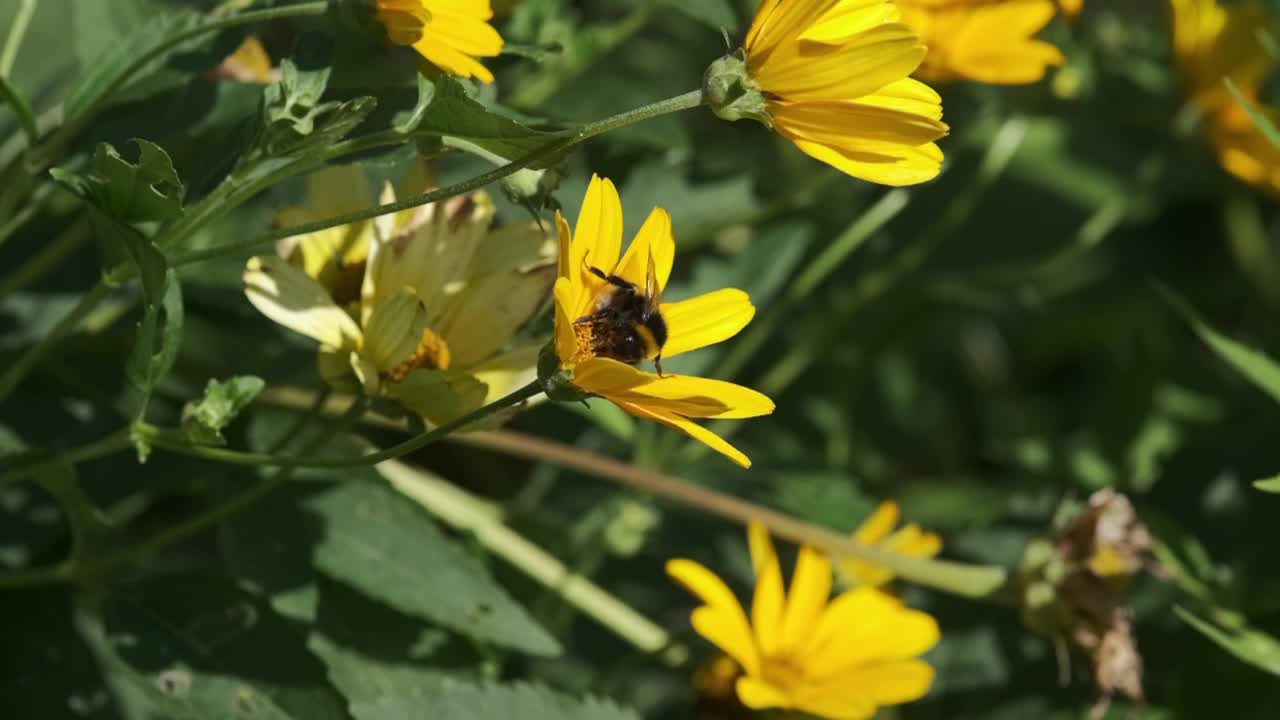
202, 649
381, 543
408, 121
159, 338
128, 192
373, 651
1255, 365
104, 73
1247, 644
269, 548
294, 118
49, 672
222, 402
453, 114
1271, 485
21, 108
492, 702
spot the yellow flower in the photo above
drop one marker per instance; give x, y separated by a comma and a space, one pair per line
839, 659
250, 63
1213, 42
832, 76
583, 347
420, 306
1244, 150
1071, 8
450, 34
875, 531
990, 41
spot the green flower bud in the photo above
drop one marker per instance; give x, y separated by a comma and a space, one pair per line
731, 91
557, 382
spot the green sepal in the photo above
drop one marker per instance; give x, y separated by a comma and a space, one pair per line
557, 382
732, 93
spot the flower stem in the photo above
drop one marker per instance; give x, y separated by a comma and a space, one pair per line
546, 152
167, 440
973, 581
17, 31
109, 445
225, 509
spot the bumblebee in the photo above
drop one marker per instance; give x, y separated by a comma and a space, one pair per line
627, 324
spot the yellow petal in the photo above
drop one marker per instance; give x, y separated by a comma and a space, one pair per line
849, 18
440, 396
991, 43
906, 166
908, 96
566, 342
565, 239
859, 66
655, 237
856, 125
486, 315
758, 694
705, 320
835, 703
764, 15
810, 588
291, 298
769, 601
887, 683
879, 524
692, 429
865, 625
455, 33
685, 395
597, 241
911, 541
394, 330
725, 623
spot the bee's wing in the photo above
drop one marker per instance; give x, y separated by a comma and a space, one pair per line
652, 293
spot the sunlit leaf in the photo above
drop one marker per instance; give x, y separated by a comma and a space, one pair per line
381, 543
1247, 644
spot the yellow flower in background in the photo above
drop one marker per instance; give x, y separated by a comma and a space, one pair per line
450, 34
609, 316
1071, 8
1243, 148
422, 306
878, 531
990, 41
839, 658
832, 77
250, 63
1212, 42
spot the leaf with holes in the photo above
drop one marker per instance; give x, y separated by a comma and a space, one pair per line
149, 189
382, 544
461, 701
202, 649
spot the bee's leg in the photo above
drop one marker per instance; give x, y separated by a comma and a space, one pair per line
657, 364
